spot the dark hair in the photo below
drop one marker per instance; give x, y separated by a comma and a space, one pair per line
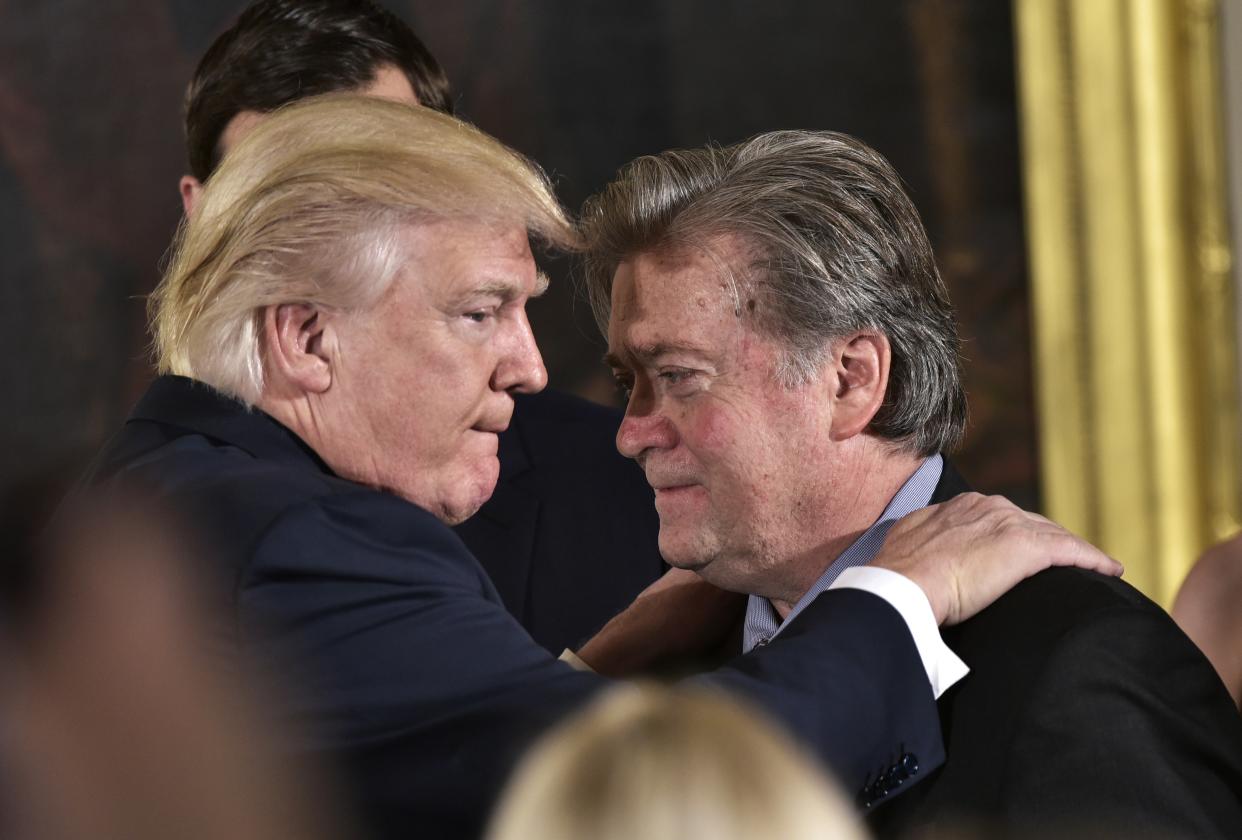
840, 247
280, 51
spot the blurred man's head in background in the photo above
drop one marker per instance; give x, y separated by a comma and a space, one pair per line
280, 51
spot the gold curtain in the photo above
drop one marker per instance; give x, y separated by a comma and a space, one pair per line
1132, 299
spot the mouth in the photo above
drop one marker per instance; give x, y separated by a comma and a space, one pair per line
493, 425
670, 491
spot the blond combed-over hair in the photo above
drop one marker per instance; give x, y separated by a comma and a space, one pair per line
307, 209
669, 763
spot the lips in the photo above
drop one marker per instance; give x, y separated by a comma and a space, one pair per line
669, 487
491, 428
670, 481
496, 422
673, 492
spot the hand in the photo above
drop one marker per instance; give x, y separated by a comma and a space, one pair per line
967, 552
680, 615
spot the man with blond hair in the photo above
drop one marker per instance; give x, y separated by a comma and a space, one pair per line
340, 332
775, 311
564, 492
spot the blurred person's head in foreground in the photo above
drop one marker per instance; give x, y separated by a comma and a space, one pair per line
775, 312
359, 270
123, 720
280, 51
667, 764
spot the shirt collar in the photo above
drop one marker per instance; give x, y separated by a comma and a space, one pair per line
762, 620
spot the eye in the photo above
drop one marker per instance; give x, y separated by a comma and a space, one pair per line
625, 383
479, 316
674, 376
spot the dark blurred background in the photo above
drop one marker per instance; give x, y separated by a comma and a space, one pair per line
91, 149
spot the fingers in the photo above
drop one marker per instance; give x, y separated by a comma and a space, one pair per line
967, 552
1069, 550
1066, 549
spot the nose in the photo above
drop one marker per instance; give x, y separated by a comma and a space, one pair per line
641, 431
521, 367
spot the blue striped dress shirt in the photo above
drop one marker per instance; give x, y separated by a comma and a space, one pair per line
762, 620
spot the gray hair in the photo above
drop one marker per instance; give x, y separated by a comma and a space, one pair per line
838, 247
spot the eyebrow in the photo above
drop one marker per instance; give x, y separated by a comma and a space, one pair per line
649, 352
506, 290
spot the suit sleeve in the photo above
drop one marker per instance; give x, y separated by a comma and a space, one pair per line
403, 665
1140, 732
412, 670
846, 679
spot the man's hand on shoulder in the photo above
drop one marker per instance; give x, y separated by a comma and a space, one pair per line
967, 552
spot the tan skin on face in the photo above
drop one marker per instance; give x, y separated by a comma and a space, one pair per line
389, 83
409, 396
758, 486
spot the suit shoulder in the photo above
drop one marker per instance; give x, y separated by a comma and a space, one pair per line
214, 476
1071, 631
1059, 600
244, 508
1051, 615
359, 535
365, 532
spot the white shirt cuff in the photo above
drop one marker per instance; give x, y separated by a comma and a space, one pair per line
943, 666
576, 662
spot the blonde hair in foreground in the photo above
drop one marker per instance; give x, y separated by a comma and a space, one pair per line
665, 764
307, 208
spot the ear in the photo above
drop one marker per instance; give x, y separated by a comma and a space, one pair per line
861, 364
297, 338
191, 190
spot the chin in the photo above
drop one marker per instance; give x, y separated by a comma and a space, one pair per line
679, 555
454, 500
480, 489
456, 516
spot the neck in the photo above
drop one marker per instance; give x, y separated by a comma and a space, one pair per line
301, 415
294, 415
859, 495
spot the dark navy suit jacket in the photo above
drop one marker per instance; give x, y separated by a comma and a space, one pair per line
1086, 713
408, 672
570, 535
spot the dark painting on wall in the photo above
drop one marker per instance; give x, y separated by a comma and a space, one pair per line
90, 153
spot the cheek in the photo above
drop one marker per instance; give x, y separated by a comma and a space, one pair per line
734, 454
709, 432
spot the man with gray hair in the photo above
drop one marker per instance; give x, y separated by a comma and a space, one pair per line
775, 312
